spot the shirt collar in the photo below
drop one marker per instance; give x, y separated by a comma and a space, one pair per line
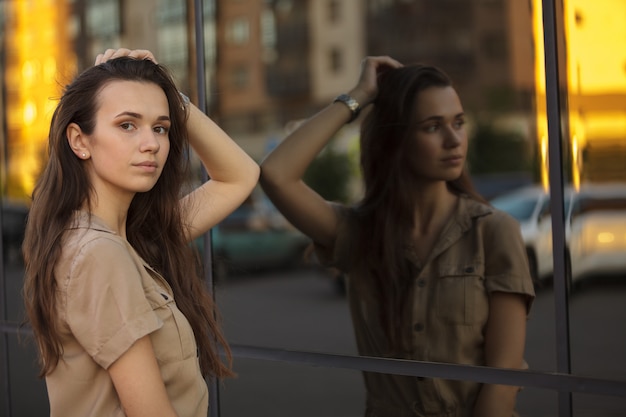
85, 220
462, 220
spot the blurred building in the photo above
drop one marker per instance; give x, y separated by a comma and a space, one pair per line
593, 90
37, 60
596, 85
304, 53
486, 46
279, 60
271, 62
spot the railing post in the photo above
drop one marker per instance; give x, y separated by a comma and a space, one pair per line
555, 161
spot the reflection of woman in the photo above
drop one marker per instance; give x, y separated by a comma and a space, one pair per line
435, 274
106, 245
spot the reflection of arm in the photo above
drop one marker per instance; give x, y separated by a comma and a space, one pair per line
282, 171
504, 348
510, 296
138, 382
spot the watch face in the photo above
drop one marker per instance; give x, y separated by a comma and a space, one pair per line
352, 104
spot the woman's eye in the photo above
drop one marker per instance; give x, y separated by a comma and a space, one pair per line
127, 126
431, 128
162, 130
459, 124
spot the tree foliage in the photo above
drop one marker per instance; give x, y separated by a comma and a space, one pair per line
329, 175
493, 151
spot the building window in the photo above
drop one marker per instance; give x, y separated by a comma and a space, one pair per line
335, 60
334, 11
238, 31
240, 78
494, 46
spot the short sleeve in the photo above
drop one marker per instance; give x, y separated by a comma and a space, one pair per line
107, 310
506, 264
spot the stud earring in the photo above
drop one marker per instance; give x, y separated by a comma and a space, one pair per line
84, 155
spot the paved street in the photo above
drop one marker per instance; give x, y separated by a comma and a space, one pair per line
301, 310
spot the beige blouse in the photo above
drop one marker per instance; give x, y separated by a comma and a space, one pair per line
479, 251
107, 299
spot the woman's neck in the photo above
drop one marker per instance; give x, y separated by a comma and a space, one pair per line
434, 205
112, 213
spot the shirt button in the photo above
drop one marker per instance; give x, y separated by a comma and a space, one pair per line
418, 327
421, 283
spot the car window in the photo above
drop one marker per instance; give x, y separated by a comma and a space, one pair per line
546, 210
522, 208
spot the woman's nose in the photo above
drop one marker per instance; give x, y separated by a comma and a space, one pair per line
453, 137
149, 142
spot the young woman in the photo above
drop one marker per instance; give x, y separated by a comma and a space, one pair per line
435, 274
123, 321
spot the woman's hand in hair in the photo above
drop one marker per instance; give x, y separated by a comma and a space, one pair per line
366, 89
116, 53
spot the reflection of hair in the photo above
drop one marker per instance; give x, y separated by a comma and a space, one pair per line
386, 213
154, 222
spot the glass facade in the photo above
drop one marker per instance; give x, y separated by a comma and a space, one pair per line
543, 84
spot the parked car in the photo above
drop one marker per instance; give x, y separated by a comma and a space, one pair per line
526, 205
595, 233
256, 237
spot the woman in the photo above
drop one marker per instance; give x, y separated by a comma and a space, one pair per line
435, 273
123, 321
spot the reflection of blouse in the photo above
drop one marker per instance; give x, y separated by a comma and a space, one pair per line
479, 251
108, 298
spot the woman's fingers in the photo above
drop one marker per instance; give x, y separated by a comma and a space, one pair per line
384, 60
116, 53
371, 67
142, 54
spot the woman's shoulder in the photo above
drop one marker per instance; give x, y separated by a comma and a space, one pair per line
89, 237
501, 218
92, 240
489, 216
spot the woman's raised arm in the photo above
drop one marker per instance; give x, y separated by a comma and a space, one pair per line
232, 172
283, 169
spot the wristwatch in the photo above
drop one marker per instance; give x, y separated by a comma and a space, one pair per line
185, 100
352, 104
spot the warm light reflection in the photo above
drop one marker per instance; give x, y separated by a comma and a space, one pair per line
606, 237
37, 47
596, 86
540, 92
576, 163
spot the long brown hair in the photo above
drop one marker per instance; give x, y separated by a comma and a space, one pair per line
385, 215
64, 187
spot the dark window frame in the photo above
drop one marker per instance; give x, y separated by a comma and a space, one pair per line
561, 381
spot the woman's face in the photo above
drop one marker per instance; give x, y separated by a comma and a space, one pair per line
130, 143
439, 145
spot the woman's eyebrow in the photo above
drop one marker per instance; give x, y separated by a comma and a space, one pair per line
439, 118
131, 114
139, 116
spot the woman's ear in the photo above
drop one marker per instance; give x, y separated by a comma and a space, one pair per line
77, 141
